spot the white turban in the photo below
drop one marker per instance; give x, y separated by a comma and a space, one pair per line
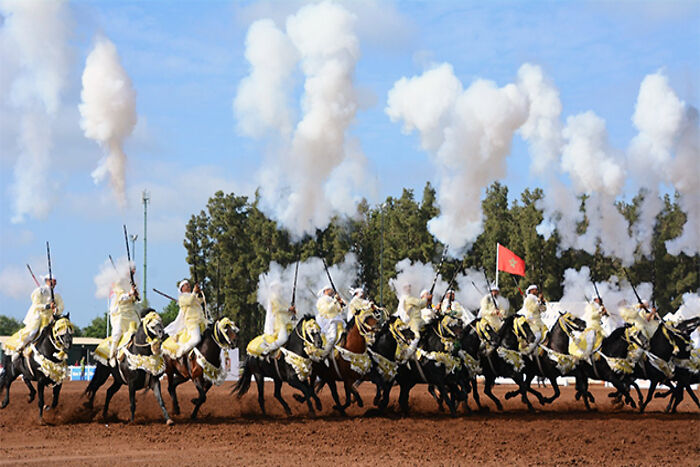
181, 284
323, 290
530, 287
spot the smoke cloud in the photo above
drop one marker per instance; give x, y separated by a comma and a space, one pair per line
468, 134
306, 164
108, 112
279, 281
109, 275
35, 54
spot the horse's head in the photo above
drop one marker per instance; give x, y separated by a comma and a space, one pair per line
571, 322
226, 333
153, 326
368, 324
62, 333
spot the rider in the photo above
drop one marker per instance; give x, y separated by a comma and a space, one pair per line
123, 315
409, 309
40, 314
651, 317
533, 306
590, 339
451, 306
329, 316
186, 331
358, 303
279, 322
493, 309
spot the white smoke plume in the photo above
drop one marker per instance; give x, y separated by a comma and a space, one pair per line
412, 278
306, 165
578, 287
311, 279
688, 310
109, 275
471, 287
35, 54
666, 150
108, 112
468, 134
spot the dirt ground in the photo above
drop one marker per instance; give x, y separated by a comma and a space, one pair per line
231, 431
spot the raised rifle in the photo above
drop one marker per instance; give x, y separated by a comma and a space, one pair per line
634, 289
600, 299
196, 279
493, 299
328, 273
112, 261
437, 273
164, 294
294, 287
33, 276
48, 258
451, 283
131, 270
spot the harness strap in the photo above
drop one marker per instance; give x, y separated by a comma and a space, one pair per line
277, 366
420, 369
335, 365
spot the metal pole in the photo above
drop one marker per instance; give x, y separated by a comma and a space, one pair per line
497, 248
133, 238
381, 259
146, 197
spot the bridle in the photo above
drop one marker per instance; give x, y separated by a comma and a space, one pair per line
61, 328
219, 327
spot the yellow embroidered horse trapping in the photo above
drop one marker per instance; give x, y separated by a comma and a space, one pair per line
470, 363
302, 366
55, 371
449, 361
211, 373
512, 357
564, 363
667, 368
360, 363
153, 364
387, 369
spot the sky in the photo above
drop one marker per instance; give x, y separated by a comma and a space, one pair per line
186, 60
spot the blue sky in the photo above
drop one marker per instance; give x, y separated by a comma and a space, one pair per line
186, 59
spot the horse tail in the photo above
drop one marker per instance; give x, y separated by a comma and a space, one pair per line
243, 383
6, 362
98, 379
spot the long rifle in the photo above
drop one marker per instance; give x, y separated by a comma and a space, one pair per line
131, 271
493, 299
48, 257
164, 294
439, 268
112, 261
639, 300
33, 276
294, 288
218, 283
328, 273
451, 283
600, 299
196, 279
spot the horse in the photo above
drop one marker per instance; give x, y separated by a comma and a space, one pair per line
610, 364
140, 366
656, 364
553, 360
500, 356
393, 345
433, 363
43, 361
349, 361
291, 364
203, 364
686, 365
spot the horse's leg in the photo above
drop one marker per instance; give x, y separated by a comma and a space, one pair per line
692, 395
650, 394
431, 390
403, 397
132, 399
475, 394
111, 391
348, 393
56, 394
334, 394
203, 387
488, 390
155, 386
40, 393
32, 391
99, 378
260, 382
7, 377
356, 393
308, 391
173, 383
278, 396
552, 377
448, 397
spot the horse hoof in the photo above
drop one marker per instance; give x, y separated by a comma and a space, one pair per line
299, 398
170, 422
176, 410
30, 399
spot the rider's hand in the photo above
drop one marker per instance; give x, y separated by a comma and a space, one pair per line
197, 289
293, 309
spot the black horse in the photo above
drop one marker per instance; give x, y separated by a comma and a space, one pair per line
43, 361
684, 376
383, 352
203, 365
140, 368
610, 364
430, 364
501, 356
554, 360
306, 335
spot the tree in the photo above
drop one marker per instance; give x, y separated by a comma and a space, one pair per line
8, 325
169, 312
97, 327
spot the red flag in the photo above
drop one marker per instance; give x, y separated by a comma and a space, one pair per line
509, 262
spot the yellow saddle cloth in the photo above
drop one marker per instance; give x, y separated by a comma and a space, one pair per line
102, 351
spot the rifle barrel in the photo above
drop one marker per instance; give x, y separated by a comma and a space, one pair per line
33, 276
163, 294
48, 257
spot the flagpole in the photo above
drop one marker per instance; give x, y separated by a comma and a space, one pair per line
497, 248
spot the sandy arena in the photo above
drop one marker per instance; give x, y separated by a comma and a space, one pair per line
233, 432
